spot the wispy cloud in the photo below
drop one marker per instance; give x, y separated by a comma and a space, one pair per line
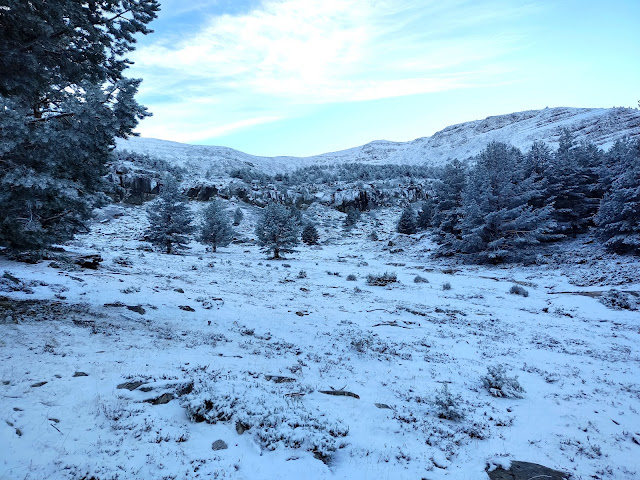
239, 70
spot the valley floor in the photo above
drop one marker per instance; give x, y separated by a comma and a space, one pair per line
99, 369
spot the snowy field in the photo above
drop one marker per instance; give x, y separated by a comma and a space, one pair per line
138, 368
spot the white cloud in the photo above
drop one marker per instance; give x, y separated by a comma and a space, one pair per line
268, 62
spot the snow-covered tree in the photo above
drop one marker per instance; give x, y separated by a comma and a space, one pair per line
216, 228
310, 234
353, 215
570, 183
237, 216
618, 218
425, 214
278, 229
498, 221
170, 218
407, 223
64, 99
447, 211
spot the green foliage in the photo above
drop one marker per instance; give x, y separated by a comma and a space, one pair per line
353, 215
216, 227
407, 223
310, 234
278, 229
170, 218
64, 99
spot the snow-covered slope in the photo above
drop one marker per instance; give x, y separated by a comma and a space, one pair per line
598, 125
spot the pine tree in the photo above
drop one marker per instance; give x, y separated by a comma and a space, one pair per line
278, 229
310, 234
216, 227
618, 218
570, 183
498, 221
353, 215
170, 218
425, 215
237, 216
447, 211
407, 223
63, 98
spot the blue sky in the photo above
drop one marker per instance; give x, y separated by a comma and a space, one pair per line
301, 77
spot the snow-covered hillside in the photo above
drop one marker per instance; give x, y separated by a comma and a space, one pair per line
601, 126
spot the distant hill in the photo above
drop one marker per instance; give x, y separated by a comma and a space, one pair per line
602, 126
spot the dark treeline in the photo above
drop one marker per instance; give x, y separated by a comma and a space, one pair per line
501, 206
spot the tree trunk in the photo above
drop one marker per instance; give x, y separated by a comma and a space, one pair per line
276, 253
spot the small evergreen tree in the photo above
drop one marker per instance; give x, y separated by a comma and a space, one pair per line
353, 215
618, 218
237, 216
310, 234
447, 212
425, 215
216, 227
278, 229
170, 218
407, 223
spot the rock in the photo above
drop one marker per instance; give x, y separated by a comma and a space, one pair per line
39, 384
80, 374
526, 471
179, 290
241, 427
186, 308
130, 385
161, 400
279, 379
88, 261
383, 405
219, 445
137, 309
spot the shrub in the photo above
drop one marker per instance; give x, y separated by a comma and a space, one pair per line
302, 274
381, 280
351, 277
420, 279
446, 286
619, 300
448, 405
518, 290
310, 235
499, 384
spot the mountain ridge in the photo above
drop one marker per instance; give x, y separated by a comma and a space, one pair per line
602, 126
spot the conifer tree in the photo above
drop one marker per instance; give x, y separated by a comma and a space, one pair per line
63, 98
425, 215
237, 216
407, 223
498, 220
447, 211
353, 215
170, 218
310, 234
278, 229
618, 218
216, 227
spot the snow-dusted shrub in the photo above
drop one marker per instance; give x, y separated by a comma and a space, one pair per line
266, 411
380, 280
448, 405
518, 290
499, 384
419, 279
351, 277
446, 286
302, 274
619, 300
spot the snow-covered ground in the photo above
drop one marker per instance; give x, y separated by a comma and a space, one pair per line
235, 338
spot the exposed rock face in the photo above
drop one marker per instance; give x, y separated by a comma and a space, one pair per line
526, 471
